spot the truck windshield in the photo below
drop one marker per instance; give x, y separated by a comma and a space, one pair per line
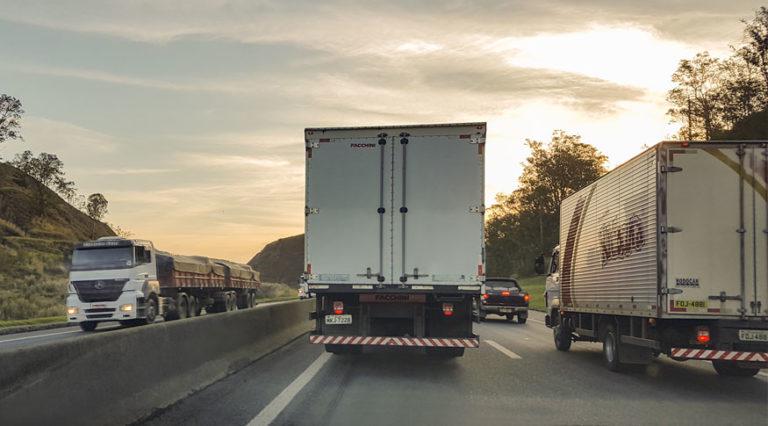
85, 259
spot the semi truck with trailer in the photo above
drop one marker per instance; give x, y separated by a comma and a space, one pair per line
668, 254
394, 235
116, 279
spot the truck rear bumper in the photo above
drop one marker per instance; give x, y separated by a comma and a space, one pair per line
719, 355
425, 342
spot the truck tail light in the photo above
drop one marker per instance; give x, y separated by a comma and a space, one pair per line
338, 308
505, 293
448, 309
527, 297
309, 269
702, 335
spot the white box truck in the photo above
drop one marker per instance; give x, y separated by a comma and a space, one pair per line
118, 279
394, 235
668, 253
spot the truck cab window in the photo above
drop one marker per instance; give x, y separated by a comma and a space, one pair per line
553, 264
143, 255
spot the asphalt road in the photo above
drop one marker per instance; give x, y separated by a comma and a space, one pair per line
516, 377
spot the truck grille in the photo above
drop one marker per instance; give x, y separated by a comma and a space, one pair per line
99, 290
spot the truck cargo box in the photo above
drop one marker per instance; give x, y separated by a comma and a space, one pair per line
395, 207
681, 231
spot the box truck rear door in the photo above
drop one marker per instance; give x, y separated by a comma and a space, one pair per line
438, 200
347, 208
716, 223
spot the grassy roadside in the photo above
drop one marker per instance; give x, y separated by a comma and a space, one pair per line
535, 287
32, 321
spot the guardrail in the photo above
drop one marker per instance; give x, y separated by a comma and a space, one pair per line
124, 375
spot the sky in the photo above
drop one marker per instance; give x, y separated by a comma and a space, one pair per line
189, 115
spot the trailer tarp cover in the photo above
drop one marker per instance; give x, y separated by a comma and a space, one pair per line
238, 270
192, 264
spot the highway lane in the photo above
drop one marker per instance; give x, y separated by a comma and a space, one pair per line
515, 377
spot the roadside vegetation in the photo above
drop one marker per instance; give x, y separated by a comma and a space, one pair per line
32, 321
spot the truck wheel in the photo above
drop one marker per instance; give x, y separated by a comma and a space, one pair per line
562, 337
150, 311
522, 318
88, 325
611, 349
193, 309
182, 307
231, 302
253, 299
725, 368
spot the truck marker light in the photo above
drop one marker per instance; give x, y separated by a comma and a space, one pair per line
448, 309
338, 308
527, 297
702, 335
309, 269
128, 307
71, 310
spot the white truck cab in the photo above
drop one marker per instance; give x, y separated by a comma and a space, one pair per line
112, 279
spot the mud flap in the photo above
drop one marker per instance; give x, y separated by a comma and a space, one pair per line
630, 354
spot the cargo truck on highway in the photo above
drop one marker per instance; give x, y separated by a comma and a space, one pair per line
394, 235
116, 279
668, 254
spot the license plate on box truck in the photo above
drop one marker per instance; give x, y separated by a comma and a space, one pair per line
753, 335
338, 319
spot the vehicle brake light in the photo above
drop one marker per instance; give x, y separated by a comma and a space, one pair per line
527, 297
702, 335
505, 293
309, 268
338, 308
448, 309
484, 296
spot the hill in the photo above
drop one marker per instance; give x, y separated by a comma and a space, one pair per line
35, 248
281, 261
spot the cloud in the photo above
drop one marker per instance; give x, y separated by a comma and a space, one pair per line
125, 171
241, 161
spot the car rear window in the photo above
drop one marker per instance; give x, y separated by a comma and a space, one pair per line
501, 285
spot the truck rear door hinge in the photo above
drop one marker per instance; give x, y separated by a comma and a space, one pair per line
311, 210
671, 169
670, 229
477, 209
312, 143
477, 139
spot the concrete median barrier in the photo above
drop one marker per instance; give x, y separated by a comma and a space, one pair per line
124, 375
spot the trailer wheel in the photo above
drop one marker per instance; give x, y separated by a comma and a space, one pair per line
725, 368
253, 299
231, 302
88, 325
182, 307
562, 336
611, 349
249, 299
192, 308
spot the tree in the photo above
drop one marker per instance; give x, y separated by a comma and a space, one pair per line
10, 118
695, 99
96, 207
525, 223
47, 170
755, 48
742, 91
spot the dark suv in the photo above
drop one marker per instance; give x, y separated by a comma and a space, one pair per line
503, 296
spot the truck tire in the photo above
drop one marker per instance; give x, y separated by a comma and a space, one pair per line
150, 311
611, 349
522, 318
88, 325
725, 368
193, 307
253, 299
231, 302
562, 336
182, 307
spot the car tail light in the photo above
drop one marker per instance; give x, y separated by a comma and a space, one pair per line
505, 293
448, 309
484, 296
338, 308
527, 297
702, 335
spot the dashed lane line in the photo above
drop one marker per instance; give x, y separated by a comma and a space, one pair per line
503, 350
269, 413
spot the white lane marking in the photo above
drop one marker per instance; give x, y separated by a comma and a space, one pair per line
271, 411
39, 335
503, 350
763, 374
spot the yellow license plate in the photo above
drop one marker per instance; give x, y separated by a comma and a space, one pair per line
691, 304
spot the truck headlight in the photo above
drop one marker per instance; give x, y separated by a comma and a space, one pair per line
128, 307
71, 310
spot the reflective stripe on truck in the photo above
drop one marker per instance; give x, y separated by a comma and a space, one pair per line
714, 354
443, 342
